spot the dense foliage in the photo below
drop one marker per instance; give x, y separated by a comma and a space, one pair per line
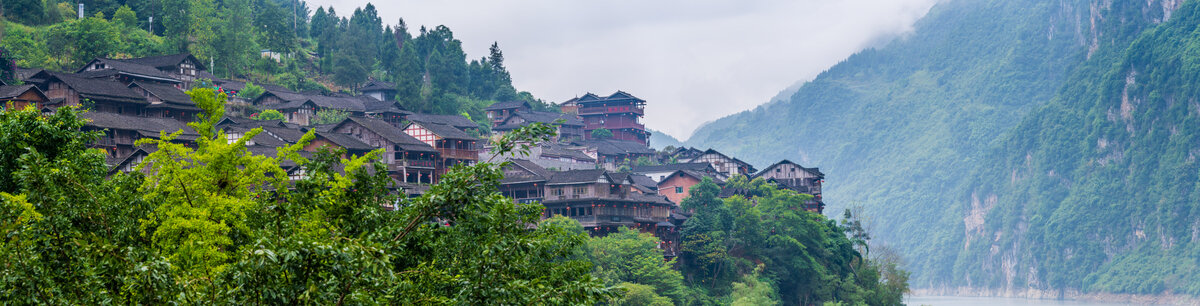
211, 223
305, 50
1098, 189
903, 127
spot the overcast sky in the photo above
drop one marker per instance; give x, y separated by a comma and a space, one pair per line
692, 61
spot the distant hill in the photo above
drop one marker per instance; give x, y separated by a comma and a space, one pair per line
900, 128
659, 140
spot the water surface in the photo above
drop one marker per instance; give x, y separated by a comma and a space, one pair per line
997, 301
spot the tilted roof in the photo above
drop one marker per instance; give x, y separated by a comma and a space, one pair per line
538, 173
374, 85
616, 147
166, 93
142, 124
101, 89
507, 105
166, 61
391, 133
343, 103
814, 171
127, 68
702, 167
445, 131
578, 176
451, 120
12, 91
346, 141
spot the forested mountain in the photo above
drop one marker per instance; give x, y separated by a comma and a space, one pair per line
267, 42
1098, 189
900, 128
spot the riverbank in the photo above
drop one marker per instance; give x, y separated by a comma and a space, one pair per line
1075, 295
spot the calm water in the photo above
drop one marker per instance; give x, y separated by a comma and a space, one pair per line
992, 301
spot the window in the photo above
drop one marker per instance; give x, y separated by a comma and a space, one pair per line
579, 190
556, 191
679, 190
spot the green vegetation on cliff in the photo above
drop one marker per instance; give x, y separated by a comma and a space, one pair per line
902, 127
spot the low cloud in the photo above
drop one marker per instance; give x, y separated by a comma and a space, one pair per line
692, 61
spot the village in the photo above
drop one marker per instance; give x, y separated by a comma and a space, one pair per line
605, 180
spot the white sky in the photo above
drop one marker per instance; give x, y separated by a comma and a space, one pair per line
692, 61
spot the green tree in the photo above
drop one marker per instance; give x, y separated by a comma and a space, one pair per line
329, 116
631, 256
251, 91
638, 295
125, 17
236, 40
269, 114
94, 37
601, 133
28, 12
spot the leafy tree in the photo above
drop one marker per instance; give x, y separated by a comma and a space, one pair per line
348, 71
631, 256
329, 116
601, 133
269, 114
125, 17
93, 37
251, 91
638, 294
29, 12
237, 44
753, 290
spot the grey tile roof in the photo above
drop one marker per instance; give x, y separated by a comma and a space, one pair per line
507, 105
814, 171
127, 68
166, 61
391, 133
374, 85
100, 89
12, 91
346, 141
142, 124
445, 131
616, 147
577, 176
349, 104
168, 93
702, 167
451, 120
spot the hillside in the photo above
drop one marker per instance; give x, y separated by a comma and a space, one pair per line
1098, 189
900, 127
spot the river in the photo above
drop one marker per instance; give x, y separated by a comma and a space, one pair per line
996, 301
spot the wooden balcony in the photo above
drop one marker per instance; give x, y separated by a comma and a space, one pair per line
622, 109
459, 153
616, 125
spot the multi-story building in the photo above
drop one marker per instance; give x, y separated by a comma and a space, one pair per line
408, 159
454, 146
621, 113
499, 111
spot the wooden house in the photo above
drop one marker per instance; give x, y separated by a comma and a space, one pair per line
568, 127
524, 181
456, 121
20, 96
379, 90
121, 131
389, 111
409, 160
620, 113
499, 111
166, 101
603, 202
455, 146
723, 163
125, 72
102, 95
612, 153
660, 172
789, 175
182, 66
353, 146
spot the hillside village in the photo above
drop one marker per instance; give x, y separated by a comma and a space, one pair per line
599, 170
